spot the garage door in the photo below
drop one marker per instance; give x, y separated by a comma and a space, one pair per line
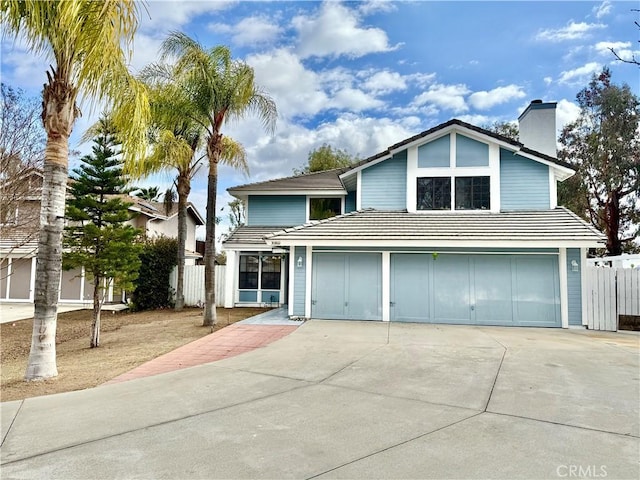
475, 289
347, 286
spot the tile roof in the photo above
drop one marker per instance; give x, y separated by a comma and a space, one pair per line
250, 235
327, 180
558, 225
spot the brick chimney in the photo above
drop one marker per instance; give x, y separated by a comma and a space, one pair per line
538, 127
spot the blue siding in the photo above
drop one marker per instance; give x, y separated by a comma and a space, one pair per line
278, 211
524, 183
350, 202
574, 284
350, 182
384, 186
435, 153
471, 153
299, 281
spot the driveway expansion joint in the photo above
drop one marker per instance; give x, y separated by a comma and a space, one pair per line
398, 444
350, 364
495, 380
153, 425
12, 422
551, 422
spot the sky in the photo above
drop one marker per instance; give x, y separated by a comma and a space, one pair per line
363, 75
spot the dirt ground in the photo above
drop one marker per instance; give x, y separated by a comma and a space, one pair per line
126, 341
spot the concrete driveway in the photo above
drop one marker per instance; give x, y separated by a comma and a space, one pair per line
354, 400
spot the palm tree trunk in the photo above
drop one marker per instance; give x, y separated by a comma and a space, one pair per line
210, 317
183, 194
97, 307
42, 356
59, 112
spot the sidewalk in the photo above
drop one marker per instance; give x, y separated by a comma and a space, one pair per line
241, 337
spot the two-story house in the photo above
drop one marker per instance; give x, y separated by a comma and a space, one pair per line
454, 225
19, 244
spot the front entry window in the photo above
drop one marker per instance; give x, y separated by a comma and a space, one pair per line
248, 278
259, 278
270, 277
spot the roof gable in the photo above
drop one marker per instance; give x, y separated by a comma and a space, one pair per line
463, 128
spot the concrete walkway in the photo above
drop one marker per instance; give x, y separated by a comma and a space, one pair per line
225, 343
241, 337
354, 400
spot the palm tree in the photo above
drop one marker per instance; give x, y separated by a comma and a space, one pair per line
84, 40
150, 194
174, 148
210, 88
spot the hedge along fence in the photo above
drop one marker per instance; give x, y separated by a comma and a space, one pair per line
152, 288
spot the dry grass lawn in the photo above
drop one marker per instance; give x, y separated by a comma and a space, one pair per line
126, 341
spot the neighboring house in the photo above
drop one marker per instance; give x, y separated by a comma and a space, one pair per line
454, 225
19, 244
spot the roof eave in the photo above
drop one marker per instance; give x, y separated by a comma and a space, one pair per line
505, 242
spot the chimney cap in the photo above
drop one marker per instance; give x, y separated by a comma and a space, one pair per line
537, 104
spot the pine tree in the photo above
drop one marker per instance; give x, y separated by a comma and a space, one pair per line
97, 236
603, 146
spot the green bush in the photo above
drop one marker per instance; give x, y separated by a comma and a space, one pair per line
152, 290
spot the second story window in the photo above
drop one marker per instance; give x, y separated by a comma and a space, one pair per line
472, 193
434, 193
321, 208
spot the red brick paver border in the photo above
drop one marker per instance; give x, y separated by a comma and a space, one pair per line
227, 342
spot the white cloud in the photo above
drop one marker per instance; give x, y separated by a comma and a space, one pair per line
577, 75
478, 119
566, 112
484, 100
374, 6
296, 90
385, 82
622, 49
146, 50
249, 31
602, 10
446, 97
354, 100
572, 31
299, 91
164, 16
21, 67
548, 80
335, 31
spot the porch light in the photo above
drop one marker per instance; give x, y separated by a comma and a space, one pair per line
574, 266
299, 262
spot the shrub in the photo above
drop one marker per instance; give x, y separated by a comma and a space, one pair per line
152, 290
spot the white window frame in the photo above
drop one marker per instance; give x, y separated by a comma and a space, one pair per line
308, 204
453, 171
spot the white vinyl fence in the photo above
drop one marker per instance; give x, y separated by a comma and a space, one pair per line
194, 284
611, 292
